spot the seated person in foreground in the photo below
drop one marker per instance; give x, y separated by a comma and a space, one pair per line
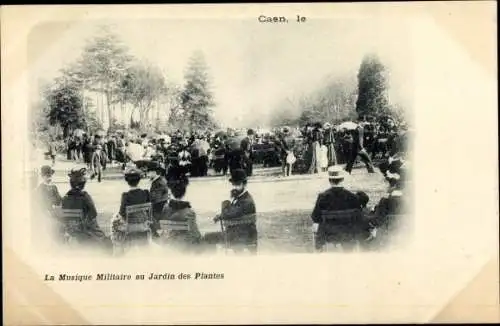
77, 198
178, 210
46, 200
132, 197
242, 205
368, 230
337, 198
47, 194
159, 196
393, 204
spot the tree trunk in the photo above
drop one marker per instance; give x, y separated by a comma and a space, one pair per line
122, 111
109, 108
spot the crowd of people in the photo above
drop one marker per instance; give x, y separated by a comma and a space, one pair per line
371, 229
310, 149
177, 157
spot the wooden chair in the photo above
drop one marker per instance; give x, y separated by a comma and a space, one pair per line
347, 217
244, 220
171, 225
137, 218
72, 220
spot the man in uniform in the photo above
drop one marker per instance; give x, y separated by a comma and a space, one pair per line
357, 148
337, 198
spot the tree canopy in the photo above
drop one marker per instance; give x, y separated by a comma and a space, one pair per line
372, 87
196, 97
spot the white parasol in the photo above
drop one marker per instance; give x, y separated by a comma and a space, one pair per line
78, 132
348, 125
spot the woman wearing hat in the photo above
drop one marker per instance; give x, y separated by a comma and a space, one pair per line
134, 196
177, 209
287, 144
78, 198
316, 141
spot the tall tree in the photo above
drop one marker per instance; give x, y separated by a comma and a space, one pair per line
144, 84
65, 106
103, 63
196, 97
372, 87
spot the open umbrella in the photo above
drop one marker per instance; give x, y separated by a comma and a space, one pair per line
78, 132
348, 125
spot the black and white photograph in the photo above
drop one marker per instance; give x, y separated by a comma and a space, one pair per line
278, 163
147, 134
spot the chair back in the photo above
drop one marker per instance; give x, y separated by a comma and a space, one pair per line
72, 218
244, 220
346, 216
171, 225
136, 217
394, 221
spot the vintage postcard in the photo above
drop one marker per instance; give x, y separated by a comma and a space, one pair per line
250, 163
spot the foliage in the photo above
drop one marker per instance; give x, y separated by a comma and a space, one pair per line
196, 97
334, 102
65, 107
102, 66
372, 94
143, 84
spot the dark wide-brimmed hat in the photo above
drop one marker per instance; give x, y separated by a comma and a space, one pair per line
285, 130
78, 175
46, 171
238, 176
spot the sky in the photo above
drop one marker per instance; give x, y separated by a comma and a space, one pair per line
253, 66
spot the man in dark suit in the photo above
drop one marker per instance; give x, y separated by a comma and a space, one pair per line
337, 198
329, 141
241, 205
357, 148
47, 194
246, 146
159, 195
